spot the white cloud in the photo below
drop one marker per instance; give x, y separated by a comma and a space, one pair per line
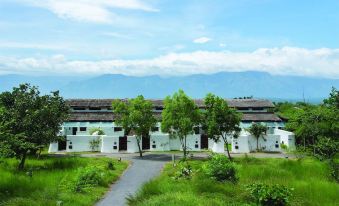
201, 40
98, 11
322, 62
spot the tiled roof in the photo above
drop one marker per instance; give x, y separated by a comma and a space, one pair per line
109, 117
236, 103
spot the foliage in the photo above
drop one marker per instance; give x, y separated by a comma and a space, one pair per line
326, 148
184, 172
257, 130
308, 177
275, 195
29, 121
53, 181
97, 131
110, 165
221, 169
135, 115
179, 117
94, 144
88, 177
333, 99
219, 120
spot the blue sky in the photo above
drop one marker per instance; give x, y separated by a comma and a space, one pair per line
169, 37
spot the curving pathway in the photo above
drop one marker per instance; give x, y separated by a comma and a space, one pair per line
140, 171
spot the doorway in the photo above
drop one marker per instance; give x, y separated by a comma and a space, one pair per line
203, 141
123, 143
74, 130
145, 143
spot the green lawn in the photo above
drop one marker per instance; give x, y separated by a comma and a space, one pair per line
53, 180
309, 178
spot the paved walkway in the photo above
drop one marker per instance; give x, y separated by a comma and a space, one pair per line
140, 171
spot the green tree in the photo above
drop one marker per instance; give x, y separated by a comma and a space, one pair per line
333, 99
220, 120
29, 121
179, 117
135, 115
99, 131
257, 130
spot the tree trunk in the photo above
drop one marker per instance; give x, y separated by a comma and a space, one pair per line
140, 151
21, 165
257, 144
228, 151
185, 148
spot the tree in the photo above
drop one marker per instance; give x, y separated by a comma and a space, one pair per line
257, 130
219, 120
135, 115
96, 131
333, 99
179, 117
29, 121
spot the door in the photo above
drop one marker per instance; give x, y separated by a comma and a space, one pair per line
203, 141
74, 131
62, 145
145, 143
123, 143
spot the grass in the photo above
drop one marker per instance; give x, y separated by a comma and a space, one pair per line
309, 178
52, 181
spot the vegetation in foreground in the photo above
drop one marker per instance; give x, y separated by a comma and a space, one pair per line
299, 182
52, 181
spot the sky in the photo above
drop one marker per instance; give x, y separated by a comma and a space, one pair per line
169, 37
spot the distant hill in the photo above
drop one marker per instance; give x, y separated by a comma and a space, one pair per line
225, 84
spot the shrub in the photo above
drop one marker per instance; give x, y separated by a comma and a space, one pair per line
94, 144
99, 131
220, 168
110, 165
88, 177
326, 148
275, 195
184, 172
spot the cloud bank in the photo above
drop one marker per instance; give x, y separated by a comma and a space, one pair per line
96, 11
322, 62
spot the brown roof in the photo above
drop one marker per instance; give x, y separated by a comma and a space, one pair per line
260, 117
109, 117
236, 103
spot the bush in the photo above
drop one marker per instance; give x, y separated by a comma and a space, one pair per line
99, 131
326, 148
110, 165
276, 195
184, 172
221, 169
88, 177
94, 144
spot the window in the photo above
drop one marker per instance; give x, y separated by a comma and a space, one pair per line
94, 108
155, 129
70, 147
117, 129
79, 108
196, 146
154, 146
83, 129
115, 147
277, 146
236, 147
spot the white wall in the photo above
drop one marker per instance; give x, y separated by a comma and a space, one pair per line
161, 142
110, 144
80, 143
53, 147
287, 138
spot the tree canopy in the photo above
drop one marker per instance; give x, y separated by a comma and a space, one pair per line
179, 117
29, 121
219, 120
135, 115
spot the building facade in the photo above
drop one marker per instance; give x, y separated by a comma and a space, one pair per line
97, 113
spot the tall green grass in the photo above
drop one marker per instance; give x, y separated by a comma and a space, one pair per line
309, 178
51, 180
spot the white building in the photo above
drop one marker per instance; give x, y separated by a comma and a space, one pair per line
97, 113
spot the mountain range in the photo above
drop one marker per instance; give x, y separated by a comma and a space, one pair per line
225, 84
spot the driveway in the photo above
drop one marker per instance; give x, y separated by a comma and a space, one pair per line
140, 171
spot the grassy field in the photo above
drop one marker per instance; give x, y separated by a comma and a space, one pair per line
309, 178
53, 180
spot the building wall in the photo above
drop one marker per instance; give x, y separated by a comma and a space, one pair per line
287, 138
